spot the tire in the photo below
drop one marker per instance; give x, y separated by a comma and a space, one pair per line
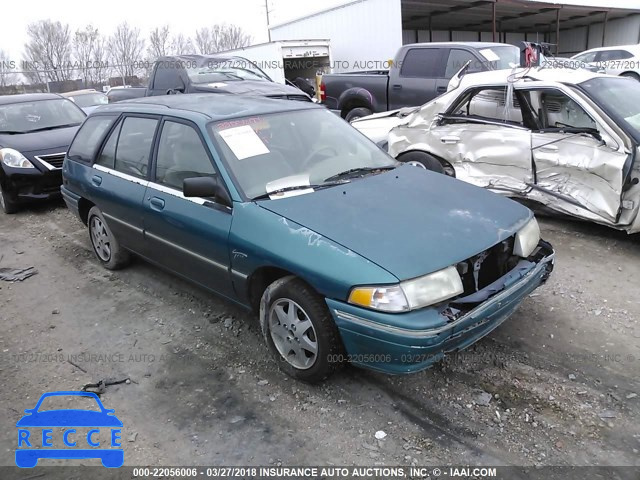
106, 247
300, 331
356, 113
8, 205
633, 75
422, 160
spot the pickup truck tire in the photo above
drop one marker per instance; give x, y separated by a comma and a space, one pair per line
422, 160
105, 245
357, 113
300, 331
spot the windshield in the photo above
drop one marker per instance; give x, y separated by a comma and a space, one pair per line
44, 114
283, 150
619, 97
501, 58
90, 99
226, 69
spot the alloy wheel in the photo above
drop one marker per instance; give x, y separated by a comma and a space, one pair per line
293, 333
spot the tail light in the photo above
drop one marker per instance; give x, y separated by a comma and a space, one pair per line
323, 92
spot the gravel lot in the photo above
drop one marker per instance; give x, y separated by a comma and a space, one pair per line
557, 384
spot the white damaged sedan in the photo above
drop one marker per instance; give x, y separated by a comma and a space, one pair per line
566, 139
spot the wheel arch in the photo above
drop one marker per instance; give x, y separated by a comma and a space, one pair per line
445, 163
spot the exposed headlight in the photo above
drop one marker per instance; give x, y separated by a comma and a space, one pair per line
13, 158
527, 239
410, 294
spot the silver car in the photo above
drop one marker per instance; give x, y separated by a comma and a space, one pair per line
565, 139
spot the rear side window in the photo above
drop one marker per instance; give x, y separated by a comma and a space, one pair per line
613, 55
134, 145
107, 157
89, 137
421, 63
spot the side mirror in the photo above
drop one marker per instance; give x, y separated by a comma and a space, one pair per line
206, 187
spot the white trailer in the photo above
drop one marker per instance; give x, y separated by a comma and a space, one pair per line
289, 59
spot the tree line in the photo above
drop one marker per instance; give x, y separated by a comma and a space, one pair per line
55, 53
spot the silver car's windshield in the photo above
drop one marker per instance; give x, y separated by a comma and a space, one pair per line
281, 151
27, 117
84, 100
620, 97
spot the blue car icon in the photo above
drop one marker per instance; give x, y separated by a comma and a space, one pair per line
67, 419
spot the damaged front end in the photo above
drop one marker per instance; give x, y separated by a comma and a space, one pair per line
495, 283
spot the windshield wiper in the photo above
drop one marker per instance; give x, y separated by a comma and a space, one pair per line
52, 127
11, 132
359, 170
291, 188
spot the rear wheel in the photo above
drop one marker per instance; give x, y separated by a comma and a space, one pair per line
300, 331
633, 75
356, 113
422, 160
8, 206
105, 245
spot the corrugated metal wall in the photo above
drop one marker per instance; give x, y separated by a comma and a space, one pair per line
361, 33
621, 31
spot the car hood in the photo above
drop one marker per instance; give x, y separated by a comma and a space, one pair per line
250, 87
56, 141
69, 418
408, 221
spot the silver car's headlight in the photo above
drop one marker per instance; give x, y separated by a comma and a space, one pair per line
410, 294
13, 158
527, 239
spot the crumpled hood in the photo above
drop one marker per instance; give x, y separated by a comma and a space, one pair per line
408, 221
54, 141
248, 87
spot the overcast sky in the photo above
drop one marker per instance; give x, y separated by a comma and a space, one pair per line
184, 17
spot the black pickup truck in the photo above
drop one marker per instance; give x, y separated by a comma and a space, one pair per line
419, 72
216, 74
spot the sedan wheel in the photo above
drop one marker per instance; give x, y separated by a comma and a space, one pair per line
293, 334
104, 243
6, 204
300, 331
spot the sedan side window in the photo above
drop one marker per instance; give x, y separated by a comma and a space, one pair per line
181, 155
554, 109
586, 57
134, 146
490, 104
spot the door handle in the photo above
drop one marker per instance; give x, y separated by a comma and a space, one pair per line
441, 89
549, 148
450, 139
156, 203
96, 180
397, 87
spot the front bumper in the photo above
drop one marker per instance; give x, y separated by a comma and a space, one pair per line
413, 341
26, 185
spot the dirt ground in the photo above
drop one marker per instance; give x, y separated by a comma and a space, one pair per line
557, 384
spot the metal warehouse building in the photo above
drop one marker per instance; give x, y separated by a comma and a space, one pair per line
363, 31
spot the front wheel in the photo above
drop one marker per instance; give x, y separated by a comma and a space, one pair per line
105, 245
8, 206
422, 160
357, 113
300, 331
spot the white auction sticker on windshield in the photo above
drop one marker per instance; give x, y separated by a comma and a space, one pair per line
489, 55
244, 142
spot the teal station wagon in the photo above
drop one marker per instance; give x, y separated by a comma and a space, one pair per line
283, 208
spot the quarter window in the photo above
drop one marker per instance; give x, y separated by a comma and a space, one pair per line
89, 137
181, 155
107, 157
134, 145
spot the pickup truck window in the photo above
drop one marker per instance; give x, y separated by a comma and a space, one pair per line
166, 77
181, 155
457, 60
421, 63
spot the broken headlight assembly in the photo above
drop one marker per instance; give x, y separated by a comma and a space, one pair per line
527, 239
13, 158
411, 294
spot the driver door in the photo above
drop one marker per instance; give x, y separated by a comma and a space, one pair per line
578, 167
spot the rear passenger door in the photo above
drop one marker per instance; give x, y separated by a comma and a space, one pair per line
414, 82
187, 235
120, 177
